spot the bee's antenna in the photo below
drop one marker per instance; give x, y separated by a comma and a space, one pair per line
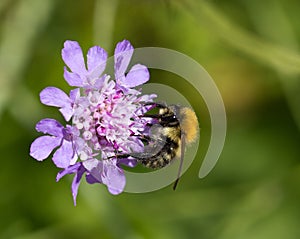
181, 161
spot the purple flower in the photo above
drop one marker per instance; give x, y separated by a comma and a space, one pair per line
105, 114
80, 76
106, 172
76, 169
53, 96
137, 75
58, 137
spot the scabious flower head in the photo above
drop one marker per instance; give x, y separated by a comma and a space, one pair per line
104, 117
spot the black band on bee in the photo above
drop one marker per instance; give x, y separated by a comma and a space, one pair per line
161, 158
167, 115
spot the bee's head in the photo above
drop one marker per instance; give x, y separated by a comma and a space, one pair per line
182, 113
175, 109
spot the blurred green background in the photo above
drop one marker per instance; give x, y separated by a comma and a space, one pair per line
250, 48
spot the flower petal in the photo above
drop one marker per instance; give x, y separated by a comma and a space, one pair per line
73, 79
76, 182
50, 126
73, 57
90, 179
64, 155
135, 145
54, 97
68, 111
41, 147
147, 98
122, 56
90, 164
69, 170
129, 162
113, 178
99, 82
137, 75
96, 61
95, 169
74, 94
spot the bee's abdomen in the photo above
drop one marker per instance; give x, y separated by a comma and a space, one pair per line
164, 156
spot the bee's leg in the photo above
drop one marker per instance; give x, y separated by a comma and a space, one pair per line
164, 120
142, 137
154, 116
119, 156
157, 104
181, 161
138, 156
142, 155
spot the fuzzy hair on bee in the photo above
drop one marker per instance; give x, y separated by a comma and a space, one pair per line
174, 127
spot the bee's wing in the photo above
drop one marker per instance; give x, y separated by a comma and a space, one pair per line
182, 147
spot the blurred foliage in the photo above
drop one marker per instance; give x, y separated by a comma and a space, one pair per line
250, 48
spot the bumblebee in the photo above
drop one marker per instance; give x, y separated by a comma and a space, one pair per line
172, 129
